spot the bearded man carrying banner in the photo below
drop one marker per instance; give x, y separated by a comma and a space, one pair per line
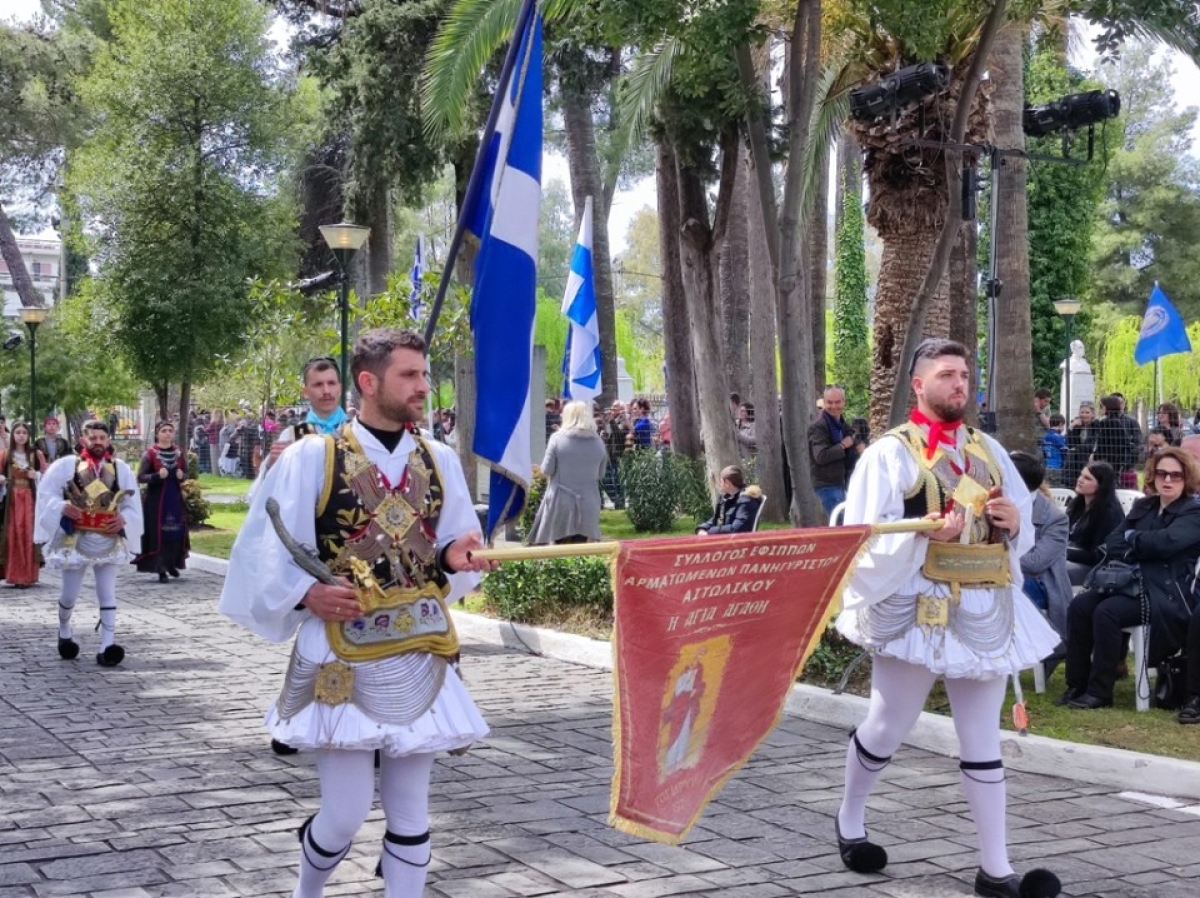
372, 667
945, 603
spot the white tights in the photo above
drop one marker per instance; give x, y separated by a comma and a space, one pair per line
106, 595
898, 693
347, 793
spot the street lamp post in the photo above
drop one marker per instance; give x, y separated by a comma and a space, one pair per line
33, 316
1068, 308
344, 239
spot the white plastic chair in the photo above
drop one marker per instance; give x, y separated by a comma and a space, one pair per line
758, 514
835, 516
1062, 496
1127, 498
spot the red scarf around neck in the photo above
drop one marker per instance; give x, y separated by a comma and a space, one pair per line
939, 431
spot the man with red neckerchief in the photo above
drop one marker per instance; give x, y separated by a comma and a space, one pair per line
88, 514
941, 604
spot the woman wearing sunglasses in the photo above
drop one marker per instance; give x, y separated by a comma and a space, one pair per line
1161, 537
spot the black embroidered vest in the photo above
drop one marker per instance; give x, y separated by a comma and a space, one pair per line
383, 538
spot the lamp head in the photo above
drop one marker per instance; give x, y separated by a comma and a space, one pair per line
1070, 113
1067, 307
33, 315
345, 236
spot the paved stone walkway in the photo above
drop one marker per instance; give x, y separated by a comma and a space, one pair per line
156, 779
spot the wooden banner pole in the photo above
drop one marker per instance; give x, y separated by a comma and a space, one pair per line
579, 550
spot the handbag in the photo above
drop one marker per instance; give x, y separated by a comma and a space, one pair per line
1114, 577
1170, 686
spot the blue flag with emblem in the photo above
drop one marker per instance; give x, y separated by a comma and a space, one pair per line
582, 380
1163, 330
502, 213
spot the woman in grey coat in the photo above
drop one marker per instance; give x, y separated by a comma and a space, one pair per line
574, 467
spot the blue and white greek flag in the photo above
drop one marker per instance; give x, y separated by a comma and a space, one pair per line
416, 308
1163, 330
503, 214
579, 305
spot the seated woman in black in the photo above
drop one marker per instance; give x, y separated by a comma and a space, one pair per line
737, 507
1161, 535
1094, 513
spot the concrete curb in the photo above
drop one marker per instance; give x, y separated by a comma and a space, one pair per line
1113, 767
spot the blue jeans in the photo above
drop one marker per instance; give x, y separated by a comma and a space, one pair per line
831, 497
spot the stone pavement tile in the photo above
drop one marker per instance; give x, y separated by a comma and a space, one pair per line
674, 859
526, 883
15, 872
472, 888
683, 884
567, 868
757, 890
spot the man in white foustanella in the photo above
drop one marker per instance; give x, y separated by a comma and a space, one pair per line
88, 514
944, 603
373, 664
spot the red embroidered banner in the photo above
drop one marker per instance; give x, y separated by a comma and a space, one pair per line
710, 634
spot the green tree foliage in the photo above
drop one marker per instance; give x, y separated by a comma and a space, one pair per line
71, 347
1062, 215
1148, 223
180, 179
851, 333
638, 277
556, 237
370, 64
1119, 372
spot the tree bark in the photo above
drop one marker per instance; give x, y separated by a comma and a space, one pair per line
962, 292
934, 279
182, 435
587, 179
1012, 394
764, 390
380, 248
793, 297
735, 291
816, 250
698, 250
681, 367
905, 261
11, 254
849, 173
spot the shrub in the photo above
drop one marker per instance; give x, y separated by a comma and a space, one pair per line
197, 507
533, 501
650, 490
829, 661
691, 478
193, 466
531, 591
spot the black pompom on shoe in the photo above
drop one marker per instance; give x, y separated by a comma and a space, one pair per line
282, 748
1034, 884
860, 855
111, 656
68, 649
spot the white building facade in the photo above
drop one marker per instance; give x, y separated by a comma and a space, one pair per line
43, 261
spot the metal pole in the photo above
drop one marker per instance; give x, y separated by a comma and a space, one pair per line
32, 380
474, 184
344, 302
1067, 369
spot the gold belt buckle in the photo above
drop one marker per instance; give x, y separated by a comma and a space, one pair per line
933, 611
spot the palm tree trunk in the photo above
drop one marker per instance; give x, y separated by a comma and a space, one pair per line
764, 391
735, 291
816, 248
963, 295
906, 255
1013, 393
793, 298
698, 250
587, 179
677, 336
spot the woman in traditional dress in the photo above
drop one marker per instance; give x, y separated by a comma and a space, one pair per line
20, 464
165, 537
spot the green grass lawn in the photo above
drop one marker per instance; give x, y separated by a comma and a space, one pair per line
225, 486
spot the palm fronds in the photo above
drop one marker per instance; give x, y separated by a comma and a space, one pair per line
640, 91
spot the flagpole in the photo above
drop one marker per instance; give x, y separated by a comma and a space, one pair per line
610, 548
528, 7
